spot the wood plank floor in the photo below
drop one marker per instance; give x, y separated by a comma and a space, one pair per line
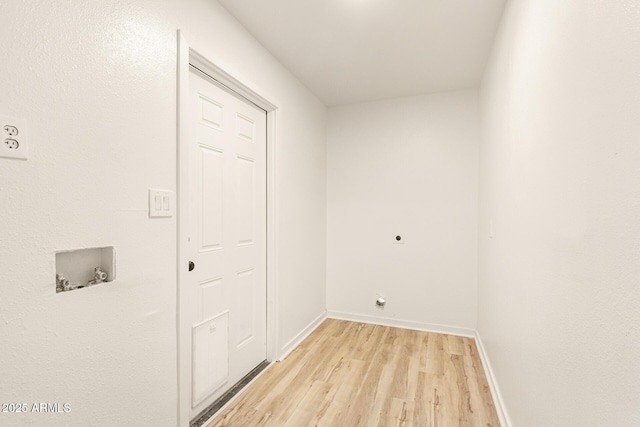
354, 374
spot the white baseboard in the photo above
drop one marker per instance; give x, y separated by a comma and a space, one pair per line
399, 323
498, 402
295, 341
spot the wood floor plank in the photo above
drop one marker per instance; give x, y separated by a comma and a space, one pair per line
356, 375
436, 354
422, 408
456, 345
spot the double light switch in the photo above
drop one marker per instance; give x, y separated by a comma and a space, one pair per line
161, 203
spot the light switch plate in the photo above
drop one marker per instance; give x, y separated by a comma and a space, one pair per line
161, 203
13, 138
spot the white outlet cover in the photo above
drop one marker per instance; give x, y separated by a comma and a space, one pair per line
13, 137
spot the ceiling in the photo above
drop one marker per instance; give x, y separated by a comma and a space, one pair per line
348, 51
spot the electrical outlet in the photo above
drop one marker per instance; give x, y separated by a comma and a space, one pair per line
11, 130
13, 138
12, 144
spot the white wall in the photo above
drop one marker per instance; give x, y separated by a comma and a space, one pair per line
96, 81
558, 283
405, 166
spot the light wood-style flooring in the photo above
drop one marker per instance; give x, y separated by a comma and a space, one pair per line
354, 374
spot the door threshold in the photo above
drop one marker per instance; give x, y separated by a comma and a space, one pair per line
211, 410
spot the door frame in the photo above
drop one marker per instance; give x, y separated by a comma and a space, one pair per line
186, 57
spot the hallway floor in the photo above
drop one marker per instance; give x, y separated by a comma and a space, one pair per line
355, 374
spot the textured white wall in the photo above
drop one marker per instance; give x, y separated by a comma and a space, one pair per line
96, 81
558, 286
406, 166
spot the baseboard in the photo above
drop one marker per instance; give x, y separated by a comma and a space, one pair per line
498, 402
295, 341
399, 323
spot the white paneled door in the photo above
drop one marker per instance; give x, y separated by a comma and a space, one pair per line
223, 302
